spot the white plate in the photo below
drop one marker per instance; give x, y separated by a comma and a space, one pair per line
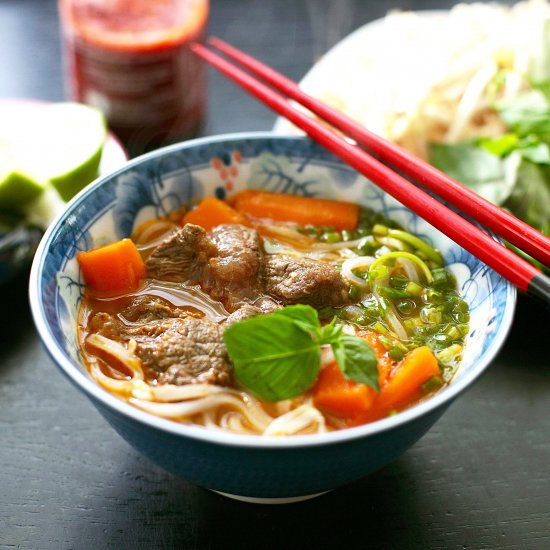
362, 65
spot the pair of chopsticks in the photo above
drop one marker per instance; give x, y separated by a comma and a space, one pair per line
512, 267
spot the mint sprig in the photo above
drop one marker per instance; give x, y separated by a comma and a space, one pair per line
278, 356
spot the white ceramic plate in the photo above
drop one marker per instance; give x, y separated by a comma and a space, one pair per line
362, 65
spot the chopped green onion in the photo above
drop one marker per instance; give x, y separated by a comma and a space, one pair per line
441, 278
396, 354
432, 384
331, 237
394, 293
446, 355
399, 281
405, 306
379, 229
428, 251
354, 293
414, 289
376, 265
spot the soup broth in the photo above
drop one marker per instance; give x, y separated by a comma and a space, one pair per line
272, 315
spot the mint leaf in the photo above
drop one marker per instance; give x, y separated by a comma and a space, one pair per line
273, 356
530, 199
304, 316
527, 114
356, 360
501, 145
474, 166
278, 356
537, 152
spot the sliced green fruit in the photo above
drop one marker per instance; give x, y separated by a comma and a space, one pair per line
59, 143
16, 187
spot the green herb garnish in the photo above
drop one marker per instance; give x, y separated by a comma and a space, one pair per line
278, 356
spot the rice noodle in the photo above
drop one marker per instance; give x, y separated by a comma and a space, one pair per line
471, 101
125, 356
296, 421
152, 235
355, 263
395, 324
206, 398
355, 243
409, 268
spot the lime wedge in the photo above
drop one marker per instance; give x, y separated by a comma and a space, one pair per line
16, 187
59, 143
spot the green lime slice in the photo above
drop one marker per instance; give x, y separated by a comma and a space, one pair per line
59, 143
16, 187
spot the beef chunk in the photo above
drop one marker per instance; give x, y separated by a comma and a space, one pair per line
244, 312
183, 351
294, 280
182, 256
106, 325
147, 308
232, 275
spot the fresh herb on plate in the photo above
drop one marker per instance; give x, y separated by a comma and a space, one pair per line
278, 356
511, 170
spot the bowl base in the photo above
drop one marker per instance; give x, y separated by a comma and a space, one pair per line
277, 500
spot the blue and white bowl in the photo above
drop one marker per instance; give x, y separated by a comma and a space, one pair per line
255, 468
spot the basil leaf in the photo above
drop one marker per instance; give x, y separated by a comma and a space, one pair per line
538, 153
474, 166
304, 316
273, 356
526, 114
356, 360
530, 199
500, 145
330, 333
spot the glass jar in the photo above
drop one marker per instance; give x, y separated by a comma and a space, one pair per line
131, 59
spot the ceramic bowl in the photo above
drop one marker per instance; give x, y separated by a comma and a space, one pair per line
254, 468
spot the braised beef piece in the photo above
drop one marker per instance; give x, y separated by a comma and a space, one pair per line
231, 266
147, 308
174, 347
184, 351
232, 275
182, 256
244, 312
295, 280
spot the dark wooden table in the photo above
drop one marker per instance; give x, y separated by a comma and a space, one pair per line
479, 479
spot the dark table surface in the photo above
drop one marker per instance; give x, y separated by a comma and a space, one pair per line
479, 479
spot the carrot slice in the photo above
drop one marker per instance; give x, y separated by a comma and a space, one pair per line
115, 268
301, 210
404, 387
406, 384
211, 212
336, 395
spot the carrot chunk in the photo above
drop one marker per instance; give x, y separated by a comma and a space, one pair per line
301, 210
405, 385
211, 212
336, 395
112, 269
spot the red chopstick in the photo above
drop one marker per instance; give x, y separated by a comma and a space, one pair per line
512, 267
510, 228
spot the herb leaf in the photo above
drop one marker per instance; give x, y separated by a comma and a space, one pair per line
273, 356
304, 316
357, 360
278, 356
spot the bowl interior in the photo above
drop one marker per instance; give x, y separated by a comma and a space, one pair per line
157, 183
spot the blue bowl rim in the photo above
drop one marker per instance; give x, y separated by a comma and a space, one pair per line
98, 395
